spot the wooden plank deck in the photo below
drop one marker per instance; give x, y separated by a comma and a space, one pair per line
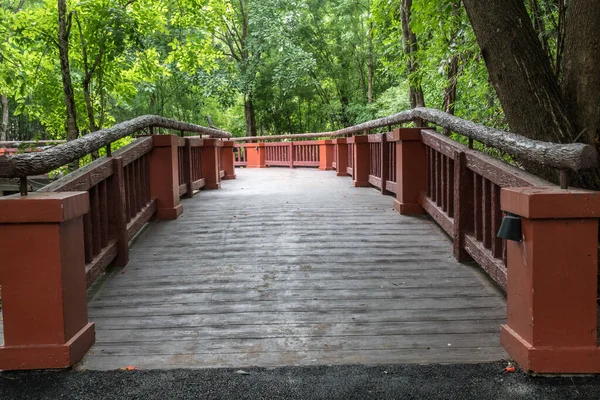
293, 267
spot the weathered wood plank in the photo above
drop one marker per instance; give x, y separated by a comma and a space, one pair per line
260, 283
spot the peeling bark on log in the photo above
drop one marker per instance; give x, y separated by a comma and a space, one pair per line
21, 165
573, 157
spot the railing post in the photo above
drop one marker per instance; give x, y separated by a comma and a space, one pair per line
255, 153
552, 280
411, 170
187, 168
118, 221
384, 162
342, 156
326, 149
164, 176
228, 160
210, 164
291, 154
44, 303
362, 159
463, 205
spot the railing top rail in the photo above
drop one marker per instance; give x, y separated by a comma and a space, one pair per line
22, 165
574, 156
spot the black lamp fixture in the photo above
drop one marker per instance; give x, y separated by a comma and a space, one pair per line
511, 228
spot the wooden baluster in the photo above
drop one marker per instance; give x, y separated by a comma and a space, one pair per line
384, 163
428, 163
127, 193
450, 187
487, 213
104, 211
463, 205
119, 211
496, 215
187, 168
140, 185
96, 220
443, 180
88, 237
477, 206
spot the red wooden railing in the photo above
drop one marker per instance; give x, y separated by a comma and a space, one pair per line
463, 196
350, 168
120, 197
284, 154
120, 202
306, 154
240, 155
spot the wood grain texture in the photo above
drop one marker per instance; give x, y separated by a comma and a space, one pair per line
293, 279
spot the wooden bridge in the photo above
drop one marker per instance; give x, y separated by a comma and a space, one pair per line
386, 254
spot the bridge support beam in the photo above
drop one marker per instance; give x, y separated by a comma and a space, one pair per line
411, 170
362, 160
228, 160
326, 149
552, 281
44, 304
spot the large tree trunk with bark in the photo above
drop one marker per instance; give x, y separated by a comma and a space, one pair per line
5, 118
581, 67
64, 27
250, 116
520, 70
525, 82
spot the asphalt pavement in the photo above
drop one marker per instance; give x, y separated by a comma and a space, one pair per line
479, 381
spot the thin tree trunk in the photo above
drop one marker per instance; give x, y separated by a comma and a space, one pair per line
5, 116
450, 90
64, 27
250, 116
370, 62
410, 45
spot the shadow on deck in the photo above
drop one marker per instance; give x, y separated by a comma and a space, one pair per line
293, 267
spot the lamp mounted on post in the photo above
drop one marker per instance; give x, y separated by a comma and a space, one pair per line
510, 229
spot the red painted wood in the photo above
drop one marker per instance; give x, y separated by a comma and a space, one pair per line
477, 207
486, 213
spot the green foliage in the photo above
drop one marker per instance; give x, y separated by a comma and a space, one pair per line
304, 63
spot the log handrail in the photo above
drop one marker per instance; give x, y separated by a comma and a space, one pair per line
573, 157
22, 165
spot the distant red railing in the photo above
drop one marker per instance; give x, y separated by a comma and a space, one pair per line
240, 155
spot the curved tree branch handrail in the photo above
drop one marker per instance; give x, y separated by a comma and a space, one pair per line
22, 165
574, 157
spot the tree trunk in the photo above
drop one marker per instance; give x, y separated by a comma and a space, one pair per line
581, 67
526, 85
450, 90
370, 62
64, 27
250, 116
5, 116
520, 70
410, 46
